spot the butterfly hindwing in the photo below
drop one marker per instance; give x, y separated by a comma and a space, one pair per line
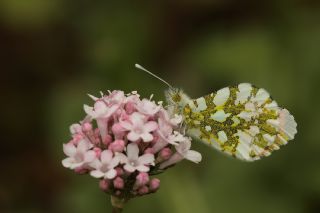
242, 121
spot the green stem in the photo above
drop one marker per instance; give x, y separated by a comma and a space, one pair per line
117, 204
116, 209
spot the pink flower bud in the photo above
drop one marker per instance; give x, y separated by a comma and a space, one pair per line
107, 140
118, 183
120, 171
154, 184
142, 179
165, 153
80, 170
104, 185
148, 151
143, 190
97, 150
117, 146
86, 127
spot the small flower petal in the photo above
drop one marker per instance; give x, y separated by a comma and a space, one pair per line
69, 149
114, 162
89, 156
133, 136
126, 125
110, 174
132, 151
122, 157
146, 159
193, 156
83, 146
67, 162
146, 137
150, 126
88, 109
106, 156
96, 174
143, 168
129, 168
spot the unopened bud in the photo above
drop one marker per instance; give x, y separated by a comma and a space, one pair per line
104, 185
119, 171
142, 179
86, 127
165, 153
80, 170
148, 151
107, 140
143, 190
118, 183
117, 146
154, 184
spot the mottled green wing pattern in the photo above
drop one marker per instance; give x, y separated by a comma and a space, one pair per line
242, 121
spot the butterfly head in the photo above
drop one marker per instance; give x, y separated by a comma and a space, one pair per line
177, 98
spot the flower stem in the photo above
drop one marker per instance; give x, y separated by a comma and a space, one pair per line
116, 209
117, 204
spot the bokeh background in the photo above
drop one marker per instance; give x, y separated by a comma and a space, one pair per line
54, 52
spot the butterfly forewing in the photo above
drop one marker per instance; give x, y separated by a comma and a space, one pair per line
242, 121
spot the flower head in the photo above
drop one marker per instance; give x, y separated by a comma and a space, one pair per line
123, 141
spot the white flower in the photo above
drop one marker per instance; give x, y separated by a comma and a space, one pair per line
148, 107
176, 138
104, 168
165, 133
106, 106
79, 155
75, 128
165, 128
170, 117
116, 97
177, 119
184, 149
100, 110
133, 162
183, 152
139, 128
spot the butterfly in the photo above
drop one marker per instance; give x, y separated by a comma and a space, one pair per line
242, 121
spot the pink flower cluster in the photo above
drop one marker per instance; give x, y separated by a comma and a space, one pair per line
124, 140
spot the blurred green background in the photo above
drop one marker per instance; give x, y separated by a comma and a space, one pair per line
55, 52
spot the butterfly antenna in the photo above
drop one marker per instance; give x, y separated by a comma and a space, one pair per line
138, 66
